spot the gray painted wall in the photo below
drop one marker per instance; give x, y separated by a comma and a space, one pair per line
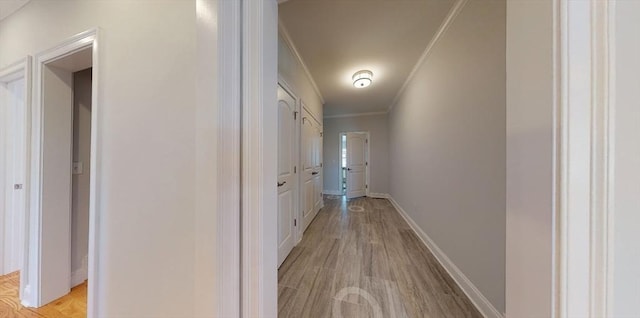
626, 251
447, 146
530, 144
80, 182
377, 127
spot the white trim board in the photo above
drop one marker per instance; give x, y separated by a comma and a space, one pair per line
332, 192
356, 115
477, 298
448, 20
379, 195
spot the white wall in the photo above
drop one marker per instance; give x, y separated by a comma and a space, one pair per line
447, 146
147, 120
290, 69
530, 155
376, 125
626, 252
80, 182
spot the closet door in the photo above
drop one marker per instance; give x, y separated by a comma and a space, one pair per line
287, 183
308, 169
317, 205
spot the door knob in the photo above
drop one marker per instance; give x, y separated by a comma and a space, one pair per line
281, 184
348, 169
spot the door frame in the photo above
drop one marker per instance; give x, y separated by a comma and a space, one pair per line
8, 74
259, 283
81, 41
366, 156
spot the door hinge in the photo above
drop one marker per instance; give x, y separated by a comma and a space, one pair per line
321, 165
366, 141
295, 222
366, 163
295, 115
320, 134
295, 169
366, 187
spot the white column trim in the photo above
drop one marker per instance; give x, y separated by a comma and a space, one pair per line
259, 287
584, 166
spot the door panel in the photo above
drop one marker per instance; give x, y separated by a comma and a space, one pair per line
286, 175
312, 167
356, 165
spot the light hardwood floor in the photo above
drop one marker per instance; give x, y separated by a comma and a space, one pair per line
359, 258
73, 305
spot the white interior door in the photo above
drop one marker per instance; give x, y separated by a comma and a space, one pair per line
311, 168
317, 155
356, 165
286, 174
15, 173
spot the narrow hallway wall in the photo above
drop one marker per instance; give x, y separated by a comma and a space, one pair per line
448, 147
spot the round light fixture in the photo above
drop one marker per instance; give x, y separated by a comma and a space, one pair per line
362, 79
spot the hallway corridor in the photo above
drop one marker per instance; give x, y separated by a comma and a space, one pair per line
364, 247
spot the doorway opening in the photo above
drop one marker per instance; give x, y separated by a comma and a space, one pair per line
14, 96
66, 166
63, 176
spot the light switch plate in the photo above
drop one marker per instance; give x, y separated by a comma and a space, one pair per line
78, 167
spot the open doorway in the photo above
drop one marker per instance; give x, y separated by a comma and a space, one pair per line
14, 93
66, 144
61, 258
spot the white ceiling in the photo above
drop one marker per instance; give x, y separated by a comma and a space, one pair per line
7, 7
336, 38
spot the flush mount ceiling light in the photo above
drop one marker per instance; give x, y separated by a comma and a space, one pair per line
362, 79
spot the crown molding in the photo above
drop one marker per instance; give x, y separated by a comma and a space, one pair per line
455, 10
355, 115
289, 42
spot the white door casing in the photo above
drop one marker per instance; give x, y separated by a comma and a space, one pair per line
286, 174
356, 164
48, 268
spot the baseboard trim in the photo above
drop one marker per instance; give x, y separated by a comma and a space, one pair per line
331, 192
26, 296
379, 195
477, 298
81, 274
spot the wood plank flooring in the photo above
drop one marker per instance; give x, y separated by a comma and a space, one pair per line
73, 305
359, 258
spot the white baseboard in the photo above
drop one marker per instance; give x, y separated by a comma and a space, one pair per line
81, 274
26, 296
379, 195
331, 192
477, 298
